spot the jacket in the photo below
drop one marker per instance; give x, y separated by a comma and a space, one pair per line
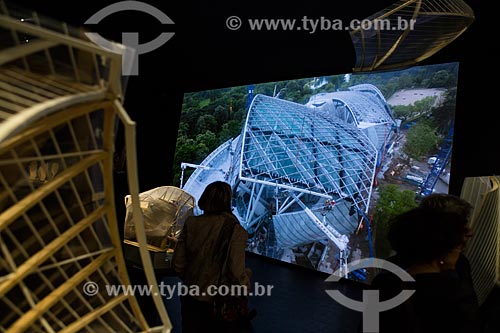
199, 254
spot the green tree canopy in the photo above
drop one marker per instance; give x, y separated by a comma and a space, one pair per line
443, 78
443, 114
206, 122
391, 203
420, 140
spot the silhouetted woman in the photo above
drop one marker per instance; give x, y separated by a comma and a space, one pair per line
201, 251
428, 243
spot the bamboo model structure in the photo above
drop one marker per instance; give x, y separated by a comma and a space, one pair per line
408, 32
164, 210
60, 101
483, 250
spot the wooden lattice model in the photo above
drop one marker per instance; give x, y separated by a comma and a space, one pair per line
164, 211
60, 103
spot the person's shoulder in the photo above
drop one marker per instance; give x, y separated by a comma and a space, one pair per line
384, 279
388, 284
191, 219
230, 217
238, 228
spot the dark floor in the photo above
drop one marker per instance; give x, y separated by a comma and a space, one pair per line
299, 303
491, 312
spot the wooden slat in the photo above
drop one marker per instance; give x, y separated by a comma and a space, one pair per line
5, 115
35, 82
22, 303
11, 106
12, 23
108, 144
21, 92
38, 258
62, 83
23, 323
30, 242
137, 214
25, 103
26, 86
90, 317
15, 211
19, 51
52, 122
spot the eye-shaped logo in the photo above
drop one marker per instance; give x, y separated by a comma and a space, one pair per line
130, 60
371, 305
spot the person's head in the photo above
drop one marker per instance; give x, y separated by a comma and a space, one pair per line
450, 203
423, 235
216, 198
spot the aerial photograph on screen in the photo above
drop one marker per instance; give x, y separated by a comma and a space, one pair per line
319, 165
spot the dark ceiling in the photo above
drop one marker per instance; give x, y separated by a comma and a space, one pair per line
205, 54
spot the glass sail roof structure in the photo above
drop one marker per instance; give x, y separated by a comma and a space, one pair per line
291, 146
362, 105
303, 173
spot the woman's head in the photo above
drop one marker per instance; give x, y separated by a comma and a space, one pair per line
452, 204
425, 234
448, 203
216, 198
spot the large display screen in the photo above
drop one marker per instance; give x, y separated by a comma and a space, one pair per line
319, 165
